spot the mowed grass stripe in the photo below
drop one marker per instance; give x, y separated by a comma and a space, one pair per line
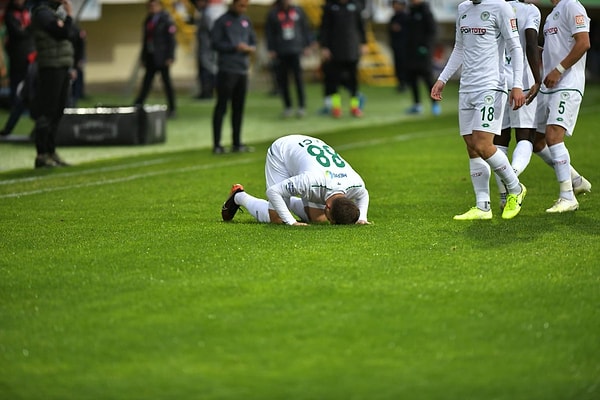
109, 181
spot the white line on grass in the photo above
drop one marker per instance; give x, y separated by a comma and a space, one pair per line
87, 172
362, 144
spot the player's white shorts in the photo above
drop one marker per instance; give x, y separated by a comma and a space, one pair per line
558, 108
481, 111
275, 168
523, 117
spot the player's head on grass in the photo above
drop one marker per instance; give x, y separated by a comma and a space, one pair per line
342, 211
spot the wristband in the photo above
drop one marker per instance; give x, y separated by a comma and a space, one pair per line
560, 68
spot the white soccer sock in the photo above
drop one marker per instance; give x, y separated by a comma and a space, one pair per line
500, 165
297, 207
547, 157
480, 178
562, 168
521, 156
259, 208
501, 187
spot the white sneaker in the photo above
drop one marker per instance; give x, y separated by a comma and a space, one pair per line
563, 205
584, 187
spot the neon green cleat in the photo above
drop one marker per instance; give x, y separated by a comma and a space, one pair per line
473, 214
513, 203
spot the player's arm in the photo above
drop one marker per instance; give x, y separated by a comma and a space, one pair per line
277, 195
362, 202
454, 63
533, 59
516, 97
581, 46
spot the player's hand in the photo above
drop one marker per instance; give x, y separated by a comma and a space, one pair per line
516, 98
552, 78
437, 89
533, 92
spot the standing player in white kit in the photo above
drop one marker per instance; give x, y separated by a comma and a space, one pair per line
308, 177
566, 42
484, 29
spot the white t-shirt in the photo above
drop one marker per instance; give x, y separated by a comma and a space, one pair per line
307, 167
567, 18
482, 31
528, 17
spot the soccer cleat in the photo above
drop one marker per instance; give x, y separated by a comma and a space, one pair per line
336, 112
415, 110
59, 161
563, 205
44, 161
513, 203
356, 112
473, 214
584, 187
229, 207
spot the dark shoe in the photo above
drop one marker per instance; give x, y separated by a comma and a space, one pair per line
242, 148
229, 207
44, 161
218, 150
59, 161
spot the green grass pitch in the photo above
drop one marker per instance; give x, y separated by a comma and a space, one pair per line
118, 280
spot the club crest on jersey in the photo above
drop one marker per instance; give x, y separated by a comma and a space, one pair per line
565, 95
485, 16
488, 100
580, 21
556, 16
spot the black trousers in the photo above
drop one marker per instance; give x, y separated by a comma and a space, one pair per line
342, 73
416, 74
290, 63
165, 74
230, 87
50, 101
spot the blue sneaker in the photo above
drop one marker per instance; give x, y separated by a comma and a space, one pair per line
436, 108
415, 109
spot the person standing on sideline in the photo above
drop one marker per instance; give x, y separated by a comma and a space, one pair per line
288, 36
397, 30
21, 52
158, 53
566, 42
206, 57
343, 41
308, 177
51, 32
234, 40
484, 29
523, 119
422, 30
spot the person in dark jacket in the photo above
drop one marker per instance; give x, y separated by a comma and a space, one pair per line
288, 37
158, 53
21, 51
51, 31
205, 56
343, 41
234, 39
422, 31
397, 31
